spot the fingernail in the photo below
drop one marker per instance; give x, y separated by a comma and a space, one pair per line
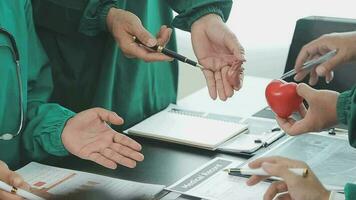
151, 42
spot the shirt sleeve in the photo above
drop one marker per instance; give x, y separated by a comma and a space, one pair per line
190, 11
70, 16
350, 191
44, 122
94, 17
346, 113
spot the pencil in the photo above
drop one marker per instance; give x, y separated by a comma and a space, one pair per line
170, 53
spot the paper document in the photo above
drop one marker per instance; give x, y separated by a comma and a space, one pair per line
260, 132
211, 182
53, 181
331, 158
194, 128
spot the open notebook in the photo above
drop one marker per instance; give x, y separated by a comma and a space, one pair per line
191, 128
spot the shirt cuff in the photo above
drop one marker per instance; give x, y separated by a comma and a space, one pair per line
93, 21
184, 21
336, 196
52, 133
343, 106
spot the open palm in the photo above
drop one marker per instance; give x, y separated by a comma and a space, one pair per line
88, 136
217, 49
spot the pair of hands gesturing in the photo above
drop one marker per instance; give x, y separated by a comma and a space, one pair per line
215, 46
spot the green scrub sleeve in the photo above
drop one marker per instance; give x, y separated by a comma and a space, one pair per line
190, 11
350, 191
44, 121
346, 113
94, 17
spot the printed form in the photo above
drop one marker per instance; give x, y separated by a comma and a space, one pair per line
53, 181
211, 182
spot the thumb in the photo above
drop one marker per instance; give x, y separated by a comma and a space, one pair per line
305, 91
17, 181
328, 66
143, 35
109, 116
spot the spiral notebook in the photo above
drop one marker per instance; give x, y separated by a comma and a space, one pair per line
193, 128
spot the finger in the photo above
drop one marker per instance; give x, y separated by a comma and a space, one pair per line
229, 91
274, 189
329, 77
306, 91
108, 116
313, 78
101, 160
279, 170
3, 165
164, 35
220, 86
210, 82
17, 181
284, 196
132, 49
258, 162
329, 65
8, 196
127, 152
143, 35
293, 127
126, 141
307, 52
254, 179
119, 159
302, 110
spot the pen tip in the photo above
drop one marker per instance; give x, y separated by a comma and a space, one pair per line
226, 170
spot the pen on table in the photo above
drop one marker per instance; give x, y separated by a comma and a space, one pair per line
308, 66
260, 172
19, 192
169, 53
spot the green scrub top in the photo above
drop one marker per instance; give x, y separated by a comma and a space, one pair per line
89, 68
43, 121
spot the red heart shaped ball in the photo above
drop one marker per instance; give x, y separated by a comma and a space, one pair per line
282, 97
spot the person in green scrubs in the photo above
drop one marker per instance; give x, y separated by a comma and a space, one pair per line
96, 63
31, 128
326, 109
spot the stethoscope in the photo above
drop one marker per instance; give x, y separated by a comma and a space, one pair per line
16, 56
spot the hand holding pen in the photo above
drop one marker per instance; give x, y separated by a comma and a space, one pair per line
293, 185
342, 43
12, 186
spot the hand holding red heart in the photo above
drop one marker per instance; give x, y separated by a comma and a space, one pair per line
282, 97
321, 113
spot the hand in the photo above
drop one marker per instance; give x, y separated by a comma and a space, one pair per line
346, 51
88, 136
217, 48
321, 113
124, 25
12, 179
298, 187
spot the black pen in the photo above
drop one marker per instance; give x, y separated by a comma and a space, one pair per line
170, 53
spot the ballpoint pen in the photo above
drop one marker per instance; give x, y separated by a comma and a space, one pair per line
308, 66
170, 53
260, 172
19, 192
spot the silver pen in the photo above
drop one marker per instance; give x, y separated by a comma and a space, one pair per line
308, 66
